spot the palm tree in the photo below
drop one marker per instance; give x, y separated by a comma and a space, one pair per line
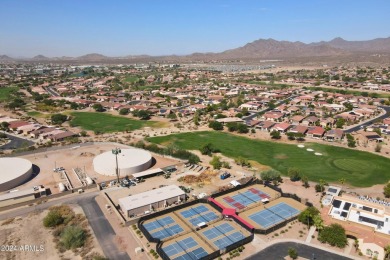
322, 184
318, 222
387, 251
356, 245
342, 181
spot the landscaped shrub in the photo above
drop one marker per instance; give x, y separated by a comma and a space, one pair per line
333, 235
73, 237
53, 218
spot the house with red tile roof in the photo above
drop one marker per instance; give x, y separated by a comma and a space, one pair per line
298, 129
316, 132
265, 125
334, 135
273, 116
281, 127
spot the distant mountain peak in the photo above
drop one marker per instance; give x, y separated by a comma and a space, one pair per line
5, 57
40, 57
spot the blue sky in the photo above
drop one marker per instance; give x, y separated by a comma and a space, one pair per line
162, 27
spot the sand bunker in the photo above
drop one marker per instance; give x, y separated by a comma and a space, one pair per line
319, 154
309, 150
301, 146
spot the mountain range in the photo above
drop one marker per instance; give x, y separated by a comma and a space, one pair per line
262, 48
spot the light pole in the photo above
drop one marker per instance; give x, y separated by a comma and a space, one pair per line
116, 151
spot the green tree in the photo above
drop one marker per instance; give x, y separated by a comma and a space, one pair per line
58, 119
172, 116
294, 174
216, 162
320, 187
143, 114
124, 111
98, 107
318, 222
333, 235
305, 181
351, 141
4, 126
342, 181
242, 128
386, 190
307, 216
387, 252
216, 125
208, 149
275, 134
270, 175
340, 122
292, 252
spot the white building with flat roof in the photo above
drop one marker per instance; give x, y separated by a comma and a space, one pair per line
145, 202
362, 212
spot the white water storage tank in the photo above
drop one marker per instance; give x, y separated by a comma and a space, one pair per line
61, 186
129, 161
89, 180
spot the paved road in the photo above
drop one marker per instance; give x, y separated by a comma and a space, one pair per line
280, 251
100, 225
102, 229
358, 127
16, 142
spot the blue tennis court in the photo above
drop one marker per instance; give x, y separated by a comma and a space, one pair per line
223, 235
158, 223
187, 246
167, 232
274, 215
198, 214
163, 227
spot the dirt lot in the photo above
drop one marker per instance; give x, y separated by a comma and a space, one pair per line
29, 231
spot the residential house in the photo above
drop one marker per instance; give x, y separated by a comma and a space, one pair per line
334, 135
281, 127
296, 120
310, 120
298, 129
315, 132
273, 116
265, 125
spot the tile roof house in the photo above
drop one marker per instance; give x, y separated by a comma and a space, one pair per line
265, 125
281, 127
273, 116
315, 132
298, 129
295, 120
310, 120
334, 135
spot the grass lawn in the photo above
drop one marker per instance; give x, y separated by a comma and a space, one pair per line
360, 169
5, 93
130, 79
37, 114
106, 123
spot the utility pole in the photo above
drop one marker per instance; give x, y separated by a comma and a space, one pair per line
116, 151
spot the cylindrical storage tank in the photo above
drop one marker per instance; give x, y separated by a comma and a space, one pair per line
14, 172
61, 186
129, 161
89, 180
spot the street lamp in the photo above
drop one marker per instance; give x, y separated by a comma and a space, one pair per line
116, 151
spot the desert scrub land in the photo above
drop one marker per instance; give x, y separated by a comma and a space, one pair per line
48, 243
